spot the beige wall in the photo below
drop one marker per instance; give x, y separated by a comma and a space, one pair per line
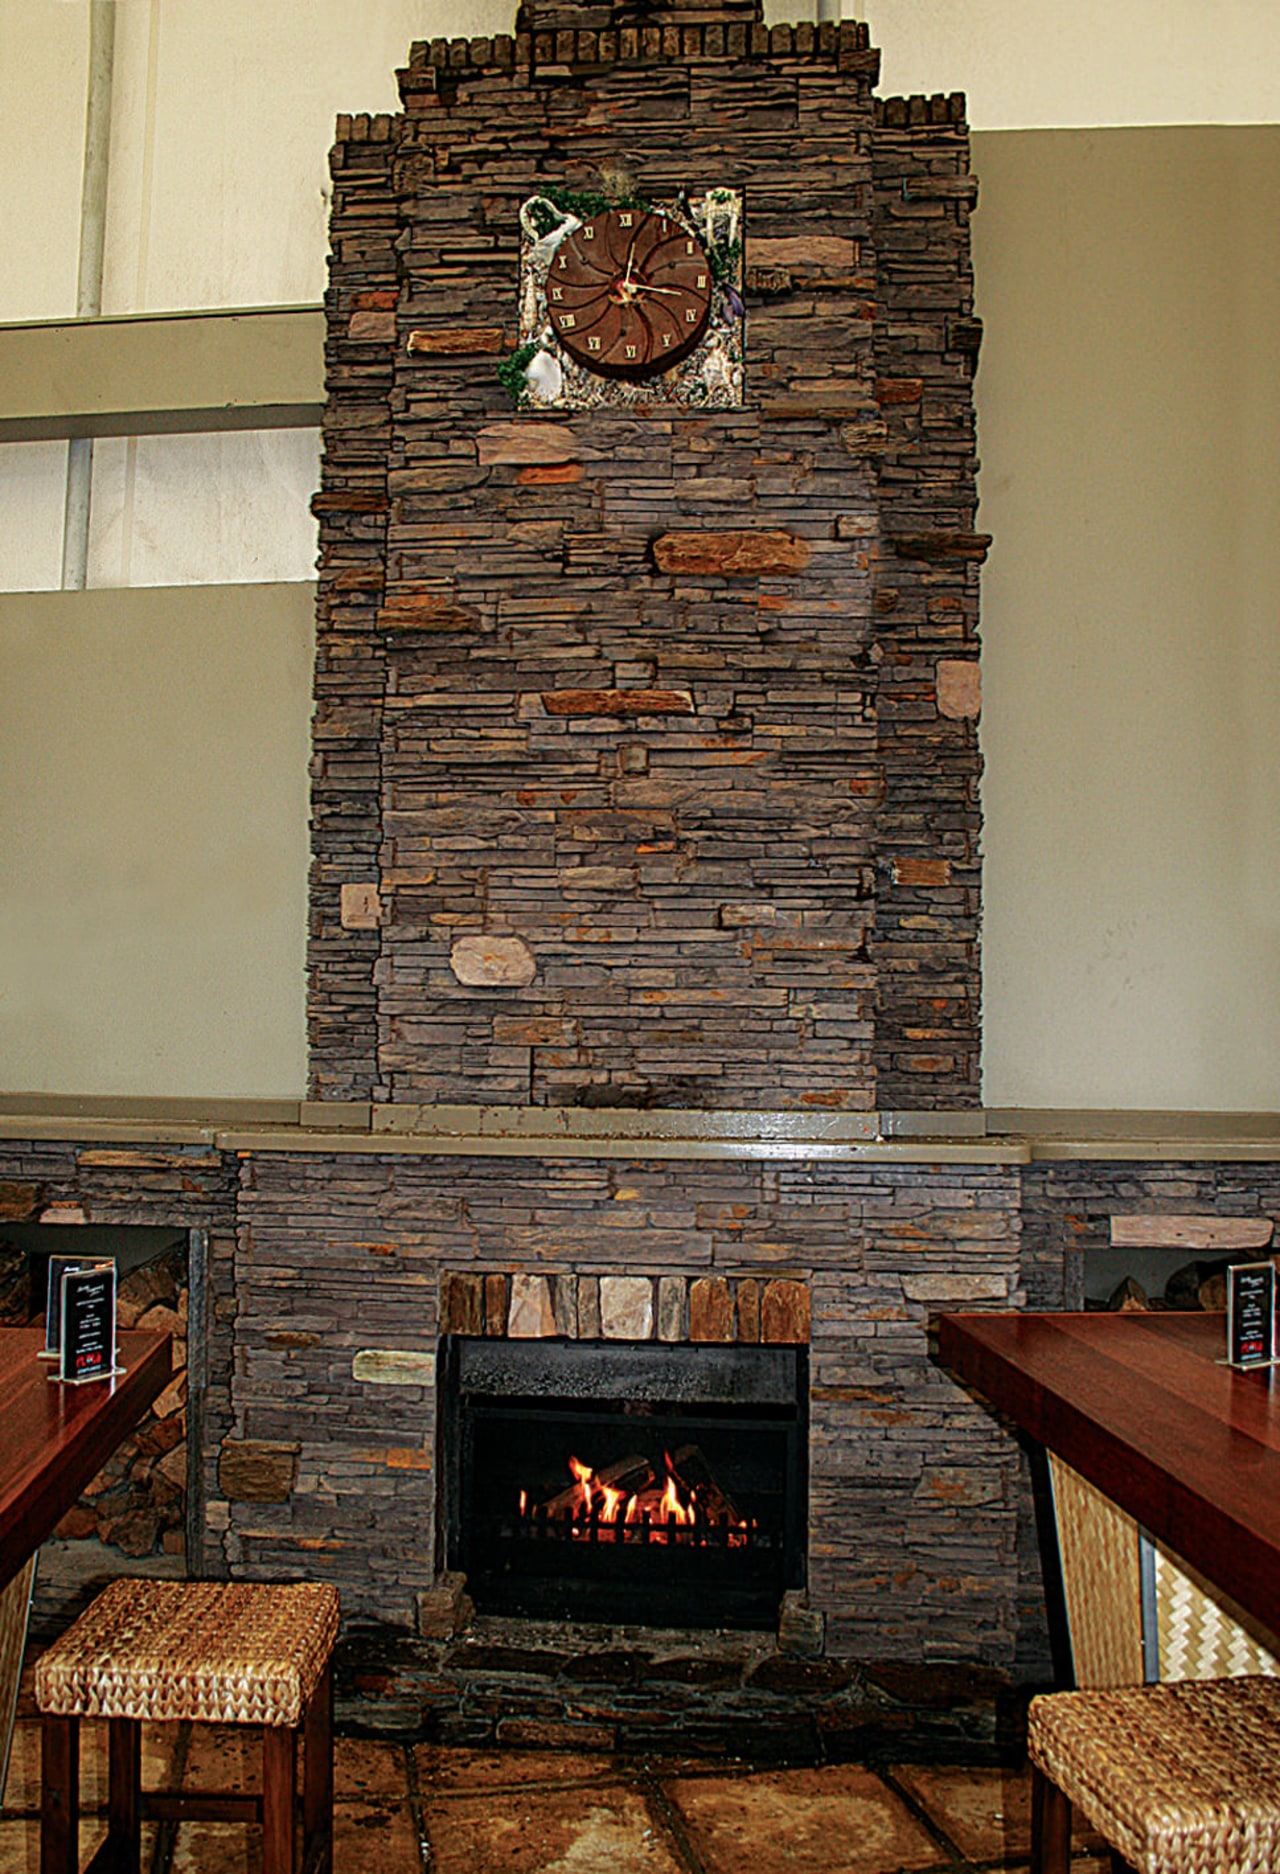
1129, 410
153, 745
153, 833
1031, 64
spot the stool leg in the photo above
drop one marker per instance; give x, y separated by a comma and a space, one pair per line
317, 1780
279, 1769
1050, 1826
60, 1797
124, 1761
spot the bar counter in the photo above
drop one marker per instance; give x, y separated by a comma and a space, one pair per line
1140, 1406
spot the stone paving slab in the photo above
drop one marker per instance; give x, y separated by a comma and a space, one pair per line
840, 1819
434, 1809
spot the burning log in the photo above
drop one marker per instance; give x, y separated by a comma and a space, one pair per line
692, 1470
627, 1476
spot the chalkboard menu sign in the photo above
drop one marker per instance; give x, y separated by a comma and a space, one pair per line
58, 1267
1251, 1314
88, 1337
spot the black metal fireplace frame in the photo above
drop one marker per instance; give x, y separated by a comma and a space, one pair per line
718, 1391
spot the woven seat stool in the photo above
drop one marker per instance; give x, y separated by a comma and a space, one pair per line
1179, 1779
205, 1652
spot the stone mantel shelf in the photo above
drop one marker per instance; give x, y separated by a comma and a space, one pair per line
1004, 1136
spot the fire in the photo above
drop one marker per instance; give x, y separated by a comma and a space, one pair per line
627, 1502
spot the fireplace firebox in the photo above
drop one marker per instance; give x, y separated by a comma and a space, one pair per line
644, 1484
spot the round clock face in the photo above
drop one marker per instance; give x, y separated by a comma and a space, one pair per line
629, 293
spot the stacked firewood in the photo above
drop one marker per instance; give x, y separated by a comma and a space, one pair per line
137, 1501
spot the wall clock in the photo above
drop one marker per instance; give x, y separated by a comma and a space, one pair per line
629, 293
631, 302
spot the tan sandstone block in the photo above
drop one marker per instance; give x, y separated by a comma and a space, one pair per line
626, 1307
959, 688
531, 1316
483, 962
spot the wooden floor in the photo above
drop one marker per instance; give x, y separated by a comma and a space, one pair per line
428, 1810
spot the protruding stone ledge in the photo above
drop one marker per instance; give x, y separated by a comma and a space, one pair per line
617, 702
381, 1366
454, 341
1216, 1234
732, 555
942, 546
425, 611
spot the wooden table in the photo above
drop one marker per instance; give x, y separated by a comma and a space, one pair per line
53, 1440
1137, 1405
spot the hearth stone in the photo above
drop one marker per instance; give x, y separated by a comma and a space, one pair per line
518, 1684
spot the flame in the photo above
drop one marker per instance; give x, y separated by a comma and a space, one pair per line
602, 1512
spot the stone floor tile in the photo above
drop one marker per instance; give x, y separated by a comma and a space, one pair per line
371, 1836
20, 1847
224, 1756
366, 1769
217, 1848
22, 1791
22, 1787
985, 1812
445, 1768
840, 1819
20, 1844
606, 1829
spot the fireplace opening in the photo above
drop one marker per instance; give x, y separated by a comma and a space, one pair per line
630, 1484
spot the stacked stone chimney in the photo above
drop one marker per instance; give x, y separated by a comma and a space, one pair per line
645, 762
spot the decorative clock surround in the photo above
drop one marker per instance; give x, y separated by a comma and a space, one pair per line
673, 702
632, 303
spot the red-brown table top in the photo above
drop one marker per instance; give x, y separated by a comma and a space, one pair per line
1138, 1404
54, 1438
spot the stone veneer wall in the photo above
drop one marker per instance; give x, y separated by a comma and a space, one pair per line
181, 1187
915, 1492
1067, 1210
683, 701
331, 1275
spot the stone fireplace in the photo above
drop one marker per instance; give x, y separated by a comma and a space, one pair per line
645, 818
643, 969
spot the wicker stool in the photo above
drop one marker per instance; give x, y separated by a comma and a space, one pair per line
209, 1653
1179, 1779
